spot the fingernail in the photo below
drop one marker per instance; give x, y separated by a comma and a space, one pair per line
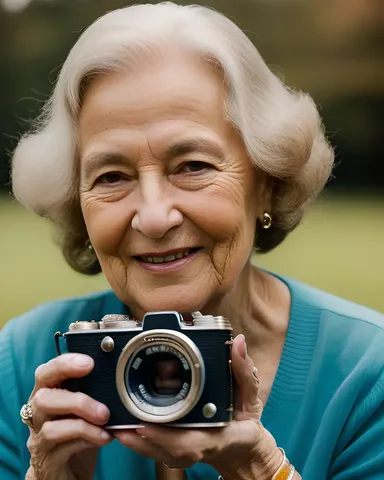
81, 360
243, 347
245, 350
255, 373
105, 435
102, 412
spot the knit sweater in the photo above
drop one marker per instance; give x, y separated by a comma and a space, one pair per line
326, 406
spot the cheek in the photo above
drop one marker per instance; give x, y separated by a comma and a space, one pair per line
106, 224
229, 217
224, 216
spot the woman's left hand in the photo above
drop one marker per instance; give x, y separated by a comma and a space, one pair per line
242, 450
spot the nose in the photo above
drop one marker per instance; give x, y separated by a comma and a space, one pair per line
156, 213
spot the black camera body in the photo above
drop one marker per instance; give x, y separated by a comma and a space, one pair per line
165, 370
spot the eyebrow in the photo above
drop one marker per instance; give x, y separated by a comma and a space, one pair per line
98, 160
192, 145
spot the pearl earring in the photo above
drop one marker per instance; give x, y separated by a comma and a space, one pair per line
89, 245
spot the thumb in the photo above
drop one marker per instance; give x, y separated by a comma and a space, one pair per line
247, 404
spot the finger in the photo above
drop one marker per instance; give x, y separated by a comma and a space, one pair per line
61, 454
49, 403
184, 447
70, 429
140, 444
54, 372
247, 381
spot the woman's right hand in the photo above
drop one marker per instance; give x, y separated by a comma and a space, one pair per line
66, 433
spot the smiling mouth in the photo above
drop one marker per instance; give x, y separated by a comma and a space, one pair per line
167, 258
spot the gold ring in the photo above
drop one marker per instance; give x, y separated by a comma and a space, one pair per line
26, 415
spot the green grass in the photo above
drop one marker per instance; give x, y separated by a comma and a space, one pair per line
339, 248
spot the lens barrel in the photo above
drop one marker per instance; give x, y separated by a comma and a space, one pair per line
160, 376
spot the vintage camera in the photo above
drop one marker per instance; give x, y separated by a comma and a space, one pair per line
165, 370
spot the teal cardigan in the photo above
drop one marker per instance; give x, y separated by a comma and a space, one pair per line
326, 406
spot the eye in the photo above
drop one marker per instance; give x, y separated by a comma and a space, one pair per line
194, 167
110, 178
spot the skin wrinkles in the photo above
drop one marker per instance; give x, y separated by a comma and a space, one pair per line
225, 183
231, 248
119, 271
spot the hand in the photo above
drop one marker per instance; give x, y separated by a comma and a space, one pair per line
244, 449
66, 432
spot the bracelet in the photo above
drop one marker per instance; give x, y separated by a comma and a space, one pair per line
292, 473
286, 471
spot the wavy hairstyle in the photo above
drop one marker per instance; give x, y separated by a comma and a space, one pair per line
281, 129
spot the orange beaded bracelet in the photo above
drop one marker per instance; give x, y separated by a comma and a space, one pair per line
286, 470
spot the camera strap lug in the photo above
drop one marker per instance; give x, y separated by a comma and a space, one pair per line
188, 319
57, 341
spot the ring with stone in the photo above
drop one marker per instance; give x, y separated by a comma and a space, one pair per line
26, 415
165, 465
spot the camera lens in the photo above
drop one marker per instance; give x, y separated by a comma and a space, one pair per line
160, 376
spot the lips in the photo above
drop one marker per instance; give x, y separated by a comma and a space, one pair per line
168, 257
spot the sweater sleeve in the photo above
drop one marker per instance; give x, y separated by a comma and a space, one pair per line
25, 343
11, 435
363, 454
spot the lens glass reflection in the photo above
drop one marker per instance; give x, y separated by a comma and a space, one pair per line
159, 375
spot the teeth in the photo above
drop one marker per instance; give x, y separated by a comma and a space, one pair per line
167, 258
158, 259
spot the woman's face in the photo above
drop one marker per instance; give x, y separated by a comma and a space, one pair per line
168, 193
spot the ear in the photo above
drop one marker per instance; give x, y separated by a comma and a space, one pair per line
264, 198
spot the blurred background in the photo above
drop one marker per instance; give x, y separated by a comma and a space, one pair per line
333, 49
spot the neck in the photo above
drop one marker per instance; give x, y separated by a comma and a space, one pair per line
258, 306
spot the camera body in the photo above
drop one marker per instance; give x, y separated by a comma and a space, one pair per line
165, 370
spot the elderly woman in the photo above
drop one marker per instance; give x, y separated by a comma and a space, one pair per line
166, 154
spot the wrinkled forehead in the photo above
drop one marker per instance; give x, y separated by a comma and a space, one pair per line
183, 91
170, 74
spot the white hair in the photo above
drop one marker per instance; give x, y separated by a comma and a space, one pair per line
281, 129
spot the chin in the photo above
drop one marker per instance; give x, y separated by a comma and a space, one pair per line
176, 300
